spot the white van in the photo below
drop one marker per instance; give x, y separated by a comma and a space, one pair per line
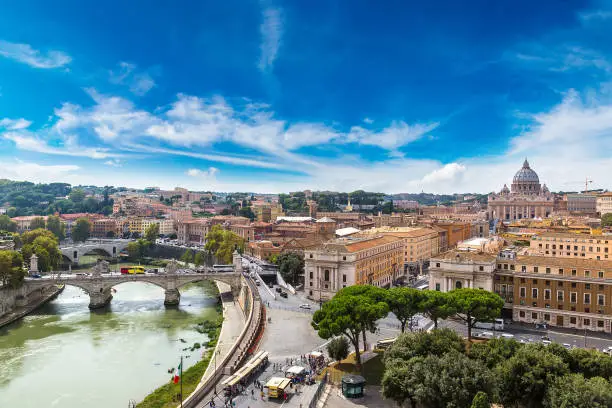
497, 324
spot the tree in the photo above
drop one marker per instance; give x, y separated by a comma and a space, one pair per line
133, 249
290, 266
374, 293
247, 212
590, 363
152, 232
436, 305
524, 378
494, 351
81, 230
423, 344
214, 238
76, 195
230, 243
348, 315
187, 257
481, 400
404, 303
12, 273
575, 391
28, 237
56, 226
110, 234
338, 348
476, 305
38, 222
452, 380
225, 211
6, 224
198, 260
45, 245
606, 220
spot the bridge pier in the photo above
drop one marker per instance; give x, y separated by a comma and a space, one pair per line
100, 298
172, 298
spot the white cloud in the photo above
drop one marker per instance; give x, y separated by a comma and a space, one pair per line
14, 124
25, 141
368, 121
271, 30
449, 173
396, 135
20, 170
24, 53
114, 163
211, 172
595, 15
139, 83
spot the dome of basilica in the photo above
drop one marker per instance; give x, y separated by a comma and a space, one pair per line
526, 175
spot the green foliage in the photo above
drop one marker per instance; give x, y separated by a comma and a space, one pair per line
45, 245
338, 348
404, 303
28, 198
76, 195
575, 391
295, 203
606, 220
591, 363
481, 400
291, 267
436, 305
38, 222
494, 351
348, 315
198, 260
422, 344
12, 273
152, 232
247, 212
524, 378
6, 224
57, 227
222, 243
187, 257
452, 380
476, 305
138, 249
81, 230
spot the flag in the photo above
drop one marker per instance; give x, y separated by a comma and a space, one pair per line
177, 374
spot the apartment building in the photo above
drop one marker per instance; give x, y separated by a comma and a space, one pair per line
567, 245
603, 203
458, 269
563, 292
104, 228
193, 230
352, 261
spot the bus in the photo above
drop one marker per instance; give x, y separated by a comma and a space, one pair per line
276, 386
385, 343
131, 270
497, 324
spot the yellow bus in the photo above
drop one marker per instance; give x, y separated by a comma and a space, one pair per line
131, 270
276, 386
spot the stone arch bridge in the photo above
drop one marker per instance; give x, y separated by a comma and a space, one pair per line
110, 247
99, 288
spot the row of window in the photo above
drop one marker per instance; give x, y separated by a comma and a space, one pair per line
569, 247
560, 271
601, 299
591, 241
572, 319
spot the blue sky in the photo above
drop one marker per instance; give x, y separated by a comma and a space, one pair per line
275, 96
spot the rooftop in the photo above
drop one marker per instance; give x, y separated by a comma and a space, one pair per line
461, 256
564, 262
359, 244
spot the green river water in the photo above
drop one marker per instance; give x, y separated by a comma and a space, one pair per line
65, 356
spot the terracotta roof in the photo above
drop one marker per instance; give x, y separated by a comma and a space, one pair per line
562, 262
356, 245
465, 255
572, 236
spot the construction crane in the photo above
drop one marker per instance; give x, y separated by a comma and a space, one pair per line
586, 184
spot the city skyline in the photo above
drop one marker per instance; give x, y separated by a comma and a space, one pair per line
277, 96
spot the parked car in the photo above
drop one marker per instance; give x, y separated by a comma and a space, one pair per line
305, 306
279, 290
284, 295
36, 276
507, 336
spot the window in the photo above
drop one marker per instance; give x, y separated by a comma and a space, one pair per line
547, 270
343, 277
522, 292
481, 268
438, 287
535, 269
546, 294
547, 283
523, 268
601, 300
534, 293
573, 296
573, 284
600, 323
572, 320
344, 258
506, 266
311, 283
311, 275
535, 281
587, 298
458, 285
522, 280
560, 295
560, 284
600, 274
573, 272
601, 287
534, 316
587, 286
512, 267
560, 271
546, 317
521, 314
326, 275
587, 274
437, 264
586, 322
311, 255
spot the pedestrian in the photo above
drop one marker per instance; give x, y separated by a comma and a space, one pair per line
262, 396
253, 393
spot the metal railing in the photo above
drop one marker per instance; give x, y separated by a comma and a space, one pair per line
318, 393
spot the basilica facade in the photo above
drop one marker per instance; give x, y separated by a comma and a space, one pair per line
525, 198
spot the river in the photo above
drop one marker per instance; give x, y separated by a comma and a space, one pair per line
65, 356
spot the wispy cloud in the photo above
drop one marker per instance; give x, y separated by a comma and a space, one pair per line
595, 15
25, 141
14, 124
21, 170
24, 53
139, 83
211, 172
271, 30
114, 163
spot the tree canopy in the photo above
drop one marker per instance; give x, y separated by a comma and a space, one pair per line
38, 222
12, 273
436, 305
575, 391
57, 227
152, 232
291, 267
338, 348
404, 303
222, 243
476, 305
45, 245
6, 224
81, 230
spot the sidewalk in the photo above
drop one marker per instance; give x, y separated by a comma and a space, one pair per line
233, 323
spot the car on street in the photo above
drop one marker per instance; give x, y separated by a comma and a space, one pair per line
81, 274
284, 295
507, 336
305, 306
486, 335
279, 290
546, 342
36, 276
567, 345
